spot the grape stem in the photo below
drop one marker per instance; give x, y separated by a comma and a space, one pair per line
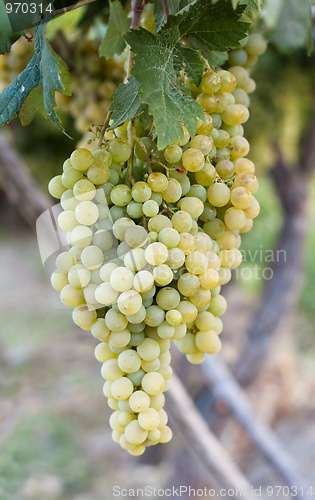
144, 149
131, 140
166, 209
104, 128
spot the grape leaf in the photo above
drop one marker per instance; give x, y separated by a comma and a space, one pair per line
54, 74
292, 31
127, 103
160, 19
217, 27
45, 68
5, 43
119, 23
252, 7
33, 103
13, 96
191, 61
155, 68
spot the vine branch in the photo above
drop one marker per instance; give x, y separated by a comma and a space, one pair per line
165, 8
137, 8
59, 12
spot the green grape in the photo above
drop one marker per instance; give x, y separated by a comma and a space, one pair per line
193, 159
225, 169
59, 280
167, 298
210, 82
86, 213
141, 192
99, 174
129, 361
203, 143
119, 150
81, 159
157, 182
136, 236
153, 383
208, 341
135, 210
218, 195
256, 44
173, 153
238, 57
169, 237
92, 257
122, 388
154, 316
172, 192
121, 195
206, 175
56, 187
188, 284
192, 205
105, 294
150, 208
158, 223
156, 254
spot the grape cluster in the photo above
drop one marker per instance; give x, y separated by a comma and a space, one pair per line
153, 236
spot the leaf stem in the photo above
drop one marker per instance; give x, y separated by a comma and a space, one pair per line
103, 129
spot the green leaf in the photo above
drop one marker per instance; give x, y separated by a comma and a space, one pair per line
146, 118
46, 69
155, 68
54, 74
5, 43
191, 61
160, 19
292, 31
118, 25
126, 103
13, 96
33, 103
252, 7
216, 27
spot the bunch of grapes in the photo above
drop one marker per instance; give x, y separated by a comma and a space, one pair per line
153, 236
